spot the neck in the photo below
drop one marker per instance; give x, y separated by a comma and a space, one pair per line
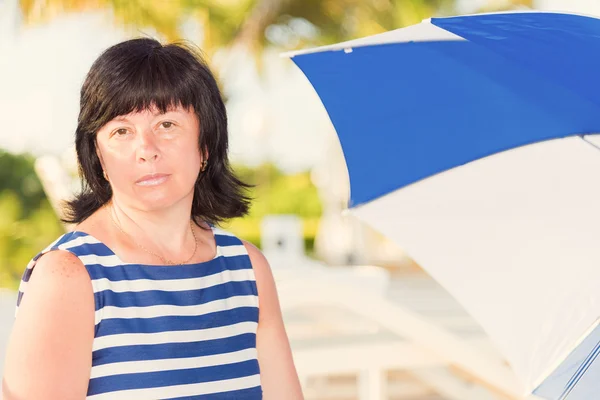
166, 232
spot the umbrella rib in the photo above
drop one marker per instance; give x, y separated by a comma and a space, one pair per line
580, 372
588, 142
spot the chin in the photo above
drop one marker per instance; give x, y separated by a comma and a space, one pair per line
158, 200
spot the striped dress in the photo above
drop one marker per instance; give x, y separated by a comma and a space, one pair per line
170, 332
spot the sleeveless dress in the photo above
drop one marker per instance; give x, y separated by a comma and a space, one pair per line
169, 332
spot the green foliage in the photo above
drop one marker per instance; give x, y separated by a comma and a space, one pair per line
27, 221
18, 176
22, 238
278, 193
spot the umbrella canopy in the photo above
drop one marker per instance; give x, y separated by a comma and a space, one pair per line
470, 142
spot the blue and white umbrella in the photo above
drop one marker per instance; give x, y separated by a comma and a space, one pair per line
470, 141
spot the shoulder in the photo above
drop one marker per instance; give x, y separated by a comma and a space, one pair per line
58, 277
54, 272
265, 284
261, 267
61, 287
61, 264
257, 258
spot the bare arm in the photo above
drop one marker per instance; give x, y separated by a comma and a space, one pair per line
277, 371
49, 352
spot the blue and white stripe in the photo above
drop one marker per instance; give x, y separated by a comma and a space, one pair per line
170, 331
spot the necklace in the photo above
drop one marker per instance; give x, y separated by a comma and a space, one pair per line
164, 260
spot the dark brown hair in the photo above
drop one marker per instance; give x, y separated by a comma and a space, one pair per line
137, 75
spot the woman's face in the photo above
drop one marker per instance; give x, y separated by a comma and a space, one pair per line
152, 160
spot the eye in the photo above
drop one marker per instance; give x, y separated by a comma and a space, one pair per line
120, 132
166, 124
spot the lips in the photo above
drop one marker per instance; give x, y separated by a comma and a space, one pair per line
152, 179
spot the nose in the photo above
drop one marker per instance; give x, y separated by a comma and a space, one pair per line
147, 149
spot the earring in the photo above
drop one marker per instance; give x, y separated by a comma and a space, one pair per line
203, 165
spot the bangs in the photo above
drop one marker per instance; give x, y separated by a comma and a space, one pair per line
162, 79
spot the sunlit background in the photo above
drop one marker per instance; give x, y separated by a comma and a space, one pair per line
364, 321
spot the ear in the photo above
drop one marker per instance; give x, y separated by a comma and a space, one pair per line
204, 155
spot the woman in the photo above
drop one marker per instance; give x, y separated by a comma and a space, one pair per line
146, 298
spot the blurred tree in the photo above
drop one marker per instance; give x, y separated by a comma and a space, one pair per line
18, 176
288, 24
27, 221
502, 5
278, 193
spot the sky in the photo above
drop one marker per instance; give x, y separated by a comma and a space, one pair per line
273, 117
